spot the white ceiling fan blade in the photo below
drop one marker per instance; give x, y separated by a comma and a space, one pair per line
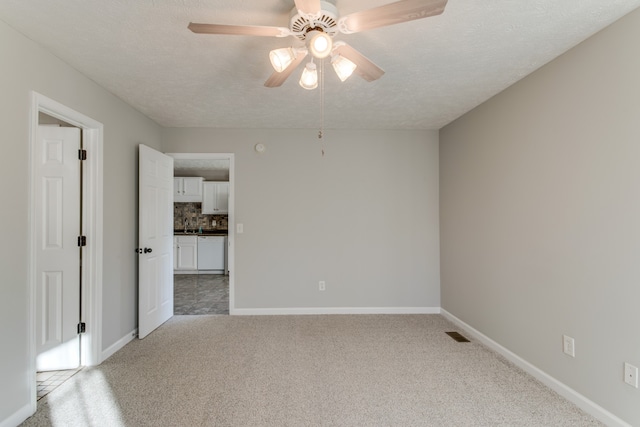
364, 67
390, 14
276, 79
308, 6
239, 30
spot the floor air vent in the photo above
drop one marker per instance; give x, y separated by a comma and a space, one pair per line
456, 336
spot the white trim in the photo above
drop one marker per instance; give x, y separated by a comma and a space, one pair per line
231, 214
91, 341
333, 310
562, 389
116, 346
17, 417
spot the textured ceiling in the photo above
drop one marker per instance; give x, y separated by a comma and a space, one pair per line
436, 68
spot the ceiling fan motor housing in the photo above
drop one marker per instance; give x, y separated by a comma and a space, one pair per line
326, 21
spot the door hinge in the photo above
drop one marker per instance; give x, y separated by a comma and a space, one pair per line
82, 241
82, 328
82, 154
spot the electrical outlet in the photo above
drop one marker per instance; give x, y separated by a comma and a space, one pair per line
321, 285
568, 346
213, 223
239, 228
631, 375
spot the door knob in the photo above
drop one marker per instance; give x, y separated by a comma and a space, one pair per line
148, 250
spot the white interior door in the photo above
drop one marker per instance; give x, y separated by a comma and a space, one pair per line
155, 240
57, 209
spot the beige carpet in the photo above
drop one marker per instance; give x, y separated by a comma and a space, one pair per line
362, 370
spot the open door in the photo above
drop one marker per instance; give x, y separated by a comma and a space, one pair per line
155, 240
57, 257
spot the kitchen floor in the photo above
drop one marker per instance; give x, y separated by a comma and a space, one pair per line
200, 294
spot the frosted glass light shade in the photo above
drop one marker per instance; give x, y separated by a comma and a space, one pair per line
343, 67
320, 44
309, 77
281, 58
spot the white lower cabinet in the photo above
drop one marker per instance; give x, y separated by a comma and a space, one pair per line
185, 253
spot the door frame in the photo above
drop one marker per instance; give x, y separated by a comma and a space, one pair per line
231, 221
92, 210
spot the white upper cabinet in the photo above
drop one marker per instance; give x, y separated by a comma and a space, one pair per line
215, 198
222, 198
187, 189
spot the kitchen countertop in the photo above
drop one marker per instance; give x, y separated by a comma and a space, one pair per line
204, 233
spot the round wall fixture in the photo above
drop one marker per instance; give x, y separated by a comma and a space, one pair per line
260, 148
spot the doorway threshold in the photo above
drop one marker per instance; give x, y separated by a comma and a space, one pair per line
50, 380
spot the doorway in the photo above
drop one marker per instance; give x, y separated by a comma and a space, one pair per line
89, 301
199, 291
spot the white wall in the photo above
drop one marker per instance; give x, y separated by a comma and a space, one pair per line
25, 67
364, 217
540, 211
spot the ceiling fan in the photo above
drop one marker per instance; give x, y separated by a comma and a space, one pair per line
314, 23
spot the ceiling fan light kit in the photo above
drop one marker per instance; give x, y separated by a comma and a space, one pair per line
281, 58
309, 77
316, 22
320, 44
343, 67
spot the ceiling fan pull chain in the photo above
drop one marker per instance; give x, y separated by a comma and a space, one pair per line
320, 133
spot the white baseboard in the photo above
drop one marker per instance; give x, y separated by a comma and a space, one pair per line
113, 348
563, 390
18, 417
333, 310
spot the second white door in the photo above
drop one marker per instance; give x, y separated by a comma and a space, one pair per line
155, 240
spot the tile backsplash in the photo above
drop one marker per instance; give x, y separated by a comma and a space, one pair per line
192, 212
